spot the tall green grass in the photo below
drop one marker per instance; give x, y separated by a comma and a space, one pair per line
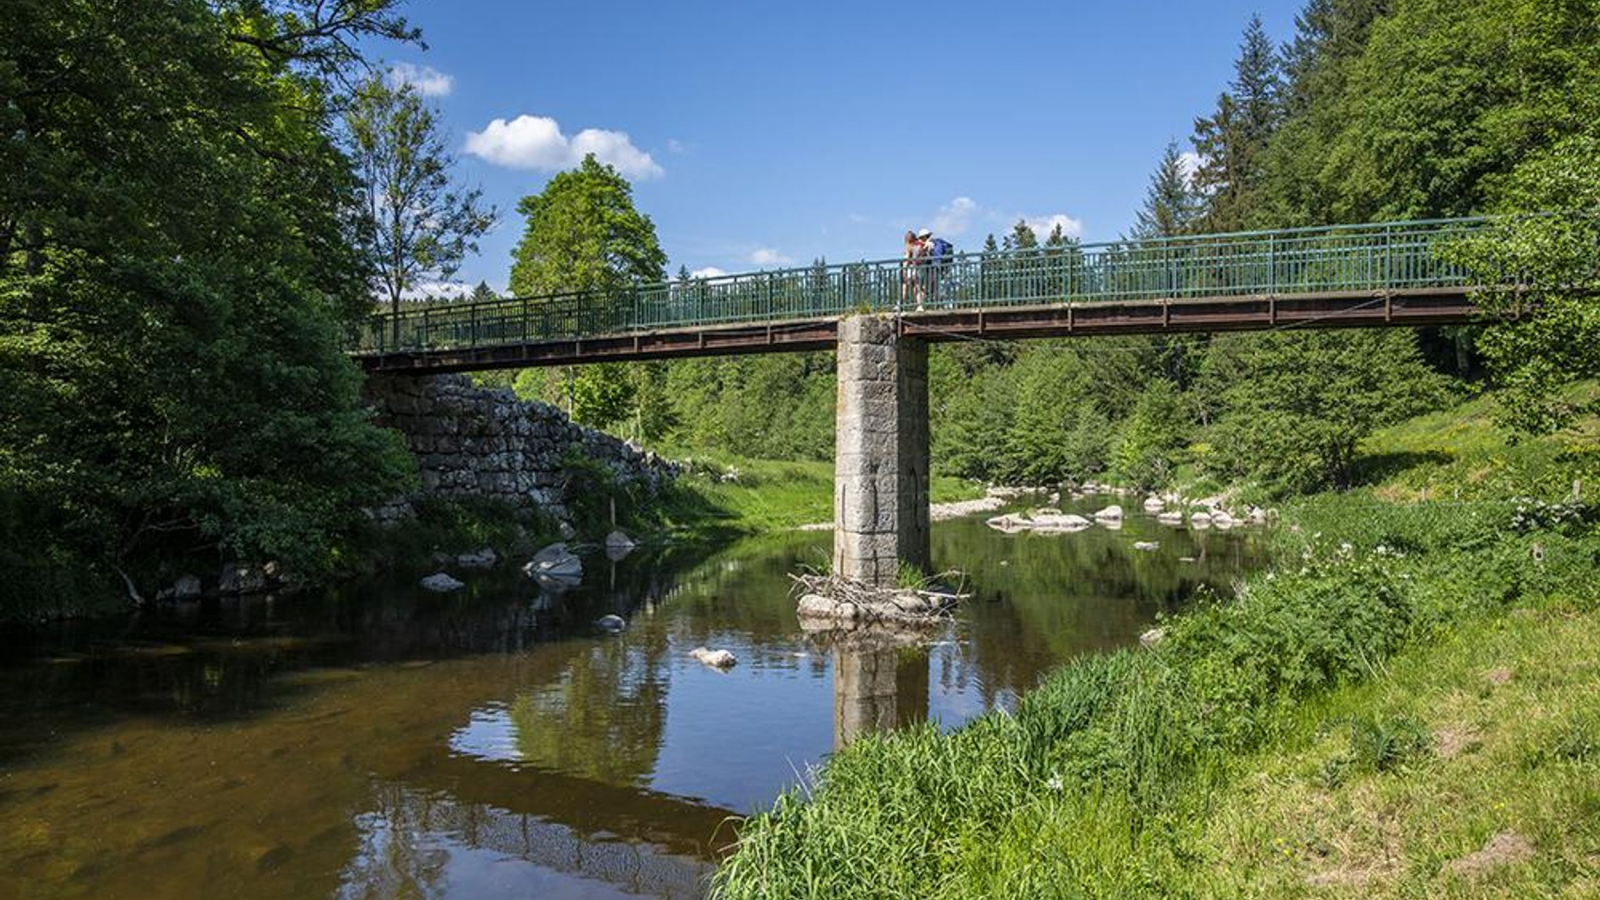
1096, 785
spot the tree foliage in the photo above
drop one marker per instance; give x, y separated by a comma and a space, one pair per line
177, 257
584, 234
419, 223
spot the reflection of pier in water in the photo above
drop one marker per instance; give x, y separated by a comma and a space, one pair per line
879, 683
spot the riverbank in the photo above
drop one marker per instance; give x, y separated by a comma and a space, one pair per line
1261, 722
752, 496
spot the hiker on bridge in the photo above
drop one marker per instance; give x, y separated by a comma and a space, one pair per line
932, 262
912, 251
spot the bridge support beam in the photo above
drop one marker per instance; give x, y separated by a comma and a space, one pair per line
880, 492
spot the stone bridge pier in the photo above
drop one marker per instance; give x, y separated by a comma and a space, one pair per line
880, 493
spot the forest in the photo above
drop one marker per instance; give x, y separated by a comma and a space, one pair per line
1374, 111
177, 289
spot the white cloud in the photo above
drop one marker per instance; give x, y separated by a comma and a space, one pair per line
959, 215
536, 142
428, 81
675, 146
1043, 225
858, 218
437, 290
707, 272
953, 218
766, 256
1189, 163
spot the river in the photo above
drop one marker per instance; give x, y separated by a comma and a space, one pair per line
376, 741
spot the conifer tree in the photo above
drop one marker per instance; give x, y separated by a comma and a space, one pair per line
1231, 141
1170, 206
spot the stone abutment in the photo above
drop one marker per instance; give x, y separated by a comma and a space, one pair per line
881, 481
484, 442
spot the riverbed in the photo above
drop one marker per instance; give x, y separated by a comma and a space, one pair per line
377, 741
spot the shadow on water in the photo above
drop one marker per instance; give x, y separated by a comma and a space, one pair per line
376, 741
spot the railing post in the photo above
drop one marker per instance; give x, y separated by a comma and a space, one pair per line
473, 339
422, 340
1272, 264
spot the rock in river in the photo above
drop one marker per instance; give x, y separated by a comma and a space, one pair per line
610, 623
440, 583
555, 561
1147, 545
716, 659
618, 545
1111, 513
481, 559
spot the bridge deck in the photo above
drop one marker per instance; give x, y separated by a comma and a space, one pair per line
1345, 276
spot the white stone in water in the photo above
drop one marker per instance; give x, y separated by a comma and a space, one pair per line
440, 583
1154, 504
1200, 520
1170, 518
716, 659
1109, 514
1221, 519
610, 623
1147, 545
1152, 637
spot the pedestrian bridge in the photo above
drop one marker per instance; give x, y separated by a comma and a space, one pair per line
1393, 273
1339, 276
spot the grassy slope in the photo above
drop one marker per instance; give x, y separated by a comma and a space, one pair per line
1328, 734
1347, 806
769, 495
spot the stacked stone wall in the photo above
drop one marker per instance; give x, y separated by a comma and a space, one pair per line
482, 442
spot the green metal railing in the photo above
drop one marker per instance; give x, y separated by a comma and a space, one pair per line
1386, 256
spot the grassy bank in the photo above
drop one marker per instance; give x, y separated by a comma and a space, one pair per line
754, 495
1283, 744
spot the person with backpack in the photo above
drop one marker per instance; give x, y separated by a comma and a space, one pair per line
937, 255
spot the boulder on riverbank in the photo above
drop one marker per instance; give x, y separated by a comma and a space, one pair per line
940, 512
1044, 522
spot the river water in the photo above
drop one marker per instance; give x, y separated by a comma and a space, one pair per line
375, 741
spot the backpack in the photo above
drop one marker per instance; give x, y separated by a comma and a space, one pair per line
942, 251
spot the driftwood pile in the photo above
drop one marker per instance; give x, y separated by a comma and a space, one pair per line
844, 602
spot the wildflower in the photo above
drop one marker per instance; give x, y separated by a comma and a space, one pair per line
1055, 783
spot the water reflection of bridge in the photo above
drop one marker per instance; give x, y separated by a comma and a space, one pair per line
406, 840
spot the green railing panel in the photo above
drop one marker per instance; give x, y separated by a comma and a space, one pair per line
1385, 256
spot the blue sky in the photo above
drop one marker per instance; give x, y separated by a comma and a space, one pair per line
764, 134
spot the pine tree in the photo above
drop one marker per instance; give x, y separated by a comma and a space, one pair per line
1231, 141
1170, 206
483, 293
